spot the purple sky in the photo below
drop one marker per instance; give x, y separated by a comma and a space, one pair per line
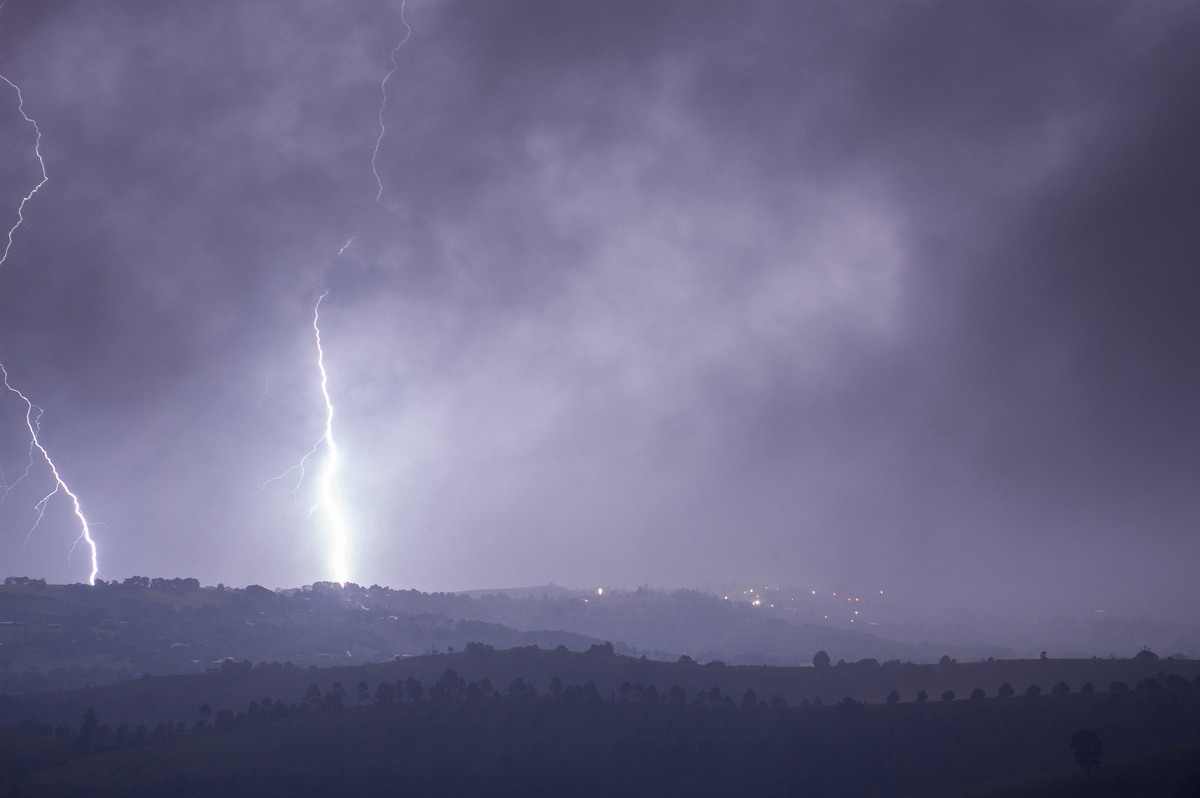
895, 295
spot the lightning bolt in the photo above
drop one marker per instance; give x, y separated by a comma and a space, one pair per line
329, 494
37, 151
329, 498
33, 413
33, 423
328, 485
383, 103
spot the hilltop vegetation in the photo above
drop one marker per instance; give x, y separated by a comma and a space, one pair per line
68, 636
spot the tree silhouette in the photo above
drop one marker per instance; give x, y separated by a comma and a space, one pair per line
87, 732
336, 697
385, 694
1177, 682
820, 659
1088, 749
893, 697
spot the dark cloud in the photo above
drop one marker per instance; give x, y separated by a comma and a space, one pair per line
674, 293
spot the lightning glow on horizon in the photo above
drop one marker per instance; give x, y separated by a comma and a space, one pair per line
33, 413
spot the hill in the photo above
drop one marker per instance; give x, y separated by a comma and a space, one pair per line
56, 637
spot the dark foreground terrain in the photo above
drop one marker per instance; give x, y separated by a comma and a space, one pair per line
164, 688
550, 735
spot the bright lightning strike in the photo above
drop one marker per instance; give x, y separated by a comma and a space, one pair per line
328, 485
33, 416
329, 498
383, 102
33, 413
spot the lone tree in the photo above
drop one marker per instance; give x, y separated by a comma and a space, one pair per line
820, 659
1088, 749
87, 732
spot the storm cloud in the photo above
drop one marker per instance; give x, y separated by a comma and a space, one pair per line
887, 295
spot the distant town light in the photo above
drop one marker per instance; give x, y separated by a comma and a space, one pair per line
599, 591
